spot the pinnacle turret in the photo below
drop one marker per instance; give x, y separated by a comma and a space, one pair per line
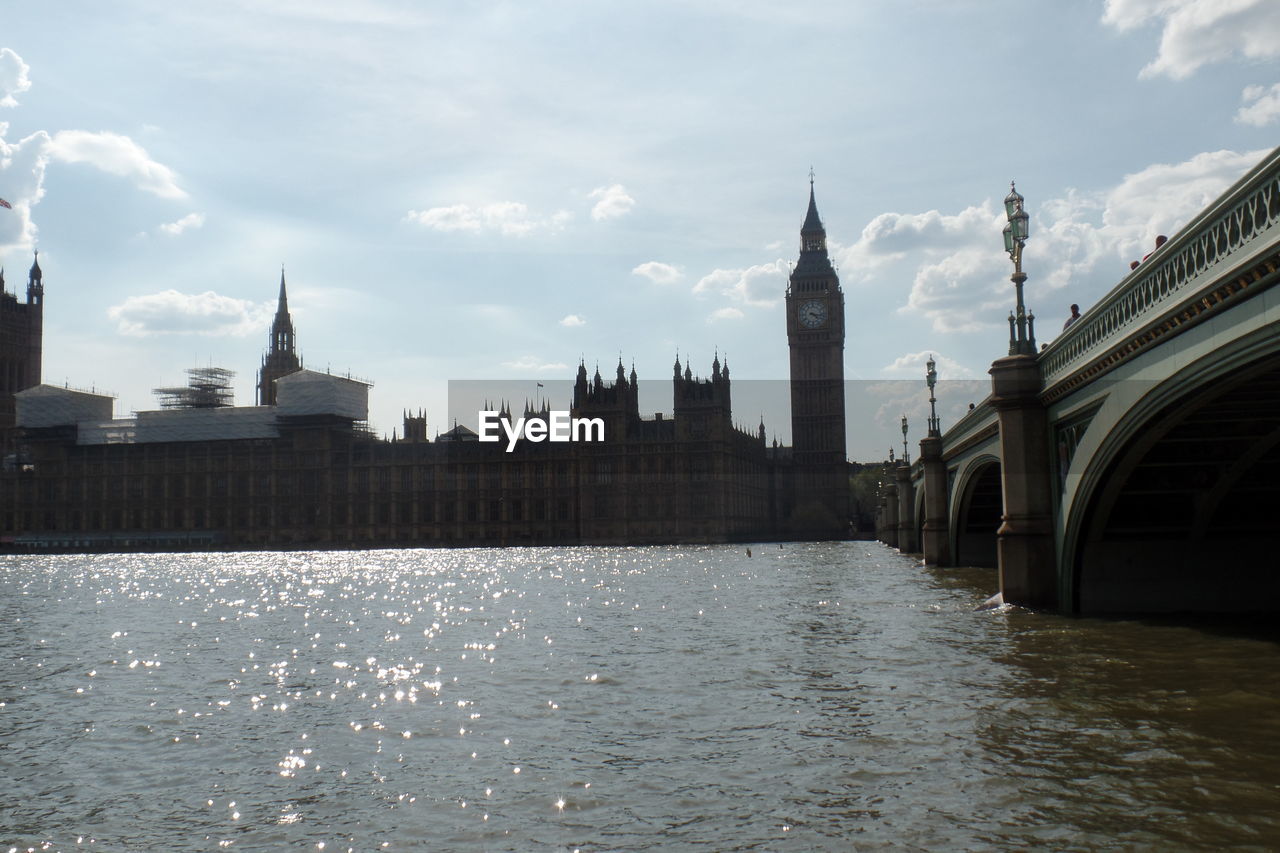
35, 282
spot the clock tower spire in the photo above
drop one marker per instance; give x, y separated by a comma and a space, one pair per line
815, 336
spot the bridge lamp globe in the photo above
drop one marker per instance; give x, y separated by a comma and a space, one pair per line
1019, 227
1020, 223
1013, 202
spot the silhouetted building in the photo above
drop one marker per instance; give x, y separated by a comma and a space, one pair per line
21, 329
815, 335
298, 470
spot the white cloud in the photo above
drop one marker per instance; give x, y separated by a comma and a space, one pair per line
13, 77
22, 168
1261, 106
658, 272
961, 292
23, 164
191, 220
760, 286
611, 203
726, 313
170, 312
957, 279
116, 155
892, 236
528, 362
1199, 32
1164, 196
573, 321
509, 218
913, 365
1081, 241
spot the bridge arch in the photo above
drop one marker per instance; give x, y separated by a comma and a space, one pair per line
976, 512
1173, 508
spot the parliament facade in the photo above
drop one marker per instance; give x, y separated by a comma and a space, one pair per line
298, 471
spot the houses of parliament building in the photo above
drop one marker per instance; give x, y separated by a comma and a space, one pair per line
298, 471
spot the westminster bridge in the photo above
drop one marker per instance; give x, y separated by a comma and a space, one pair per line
1133, 463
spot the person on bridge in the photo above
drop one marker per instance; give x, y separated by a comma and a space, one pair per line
1160, 241
1075, 315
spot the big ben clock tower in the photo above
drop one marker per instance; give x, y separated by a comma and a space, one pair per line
815, 335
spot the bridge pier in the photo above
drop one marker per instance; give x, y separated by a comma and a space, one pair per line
889, 515
1027, 557
906, 511
934, 531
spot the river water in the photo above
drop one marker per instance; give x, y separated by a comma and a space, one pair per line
831, 696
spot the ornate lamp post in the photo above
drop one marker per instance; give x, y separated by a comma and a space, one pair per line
1022, 328
931, 377
906, 460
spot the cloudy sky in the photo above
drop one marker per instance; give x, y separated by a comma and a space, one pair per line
495, 190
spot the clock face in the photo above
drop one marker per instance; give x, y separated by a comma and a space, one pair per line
812, 314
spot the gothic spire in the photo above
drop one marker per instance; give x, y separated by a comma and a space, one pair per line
281, 358
282, 306
813, 261
282, 333
812, 222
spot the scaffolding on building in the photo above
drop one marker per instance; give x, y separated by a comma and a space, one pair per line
206, 388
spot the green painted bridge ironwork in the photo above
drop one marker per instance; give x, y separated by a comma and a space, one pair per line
1133, 464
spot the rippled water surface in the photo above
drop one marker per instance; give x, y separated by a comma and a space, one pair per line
810, 697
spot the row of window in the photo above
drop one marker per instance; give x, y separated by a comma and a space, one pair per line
286, 516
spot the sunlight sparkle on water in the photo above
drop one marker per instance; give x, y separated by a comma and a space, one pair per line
715, 714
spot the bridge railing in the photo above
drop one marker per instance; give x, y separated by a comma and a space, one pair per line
1240, 224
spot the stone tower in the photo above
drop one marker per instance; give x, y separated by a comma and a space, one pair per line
815, 336
21, 335
282, 357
